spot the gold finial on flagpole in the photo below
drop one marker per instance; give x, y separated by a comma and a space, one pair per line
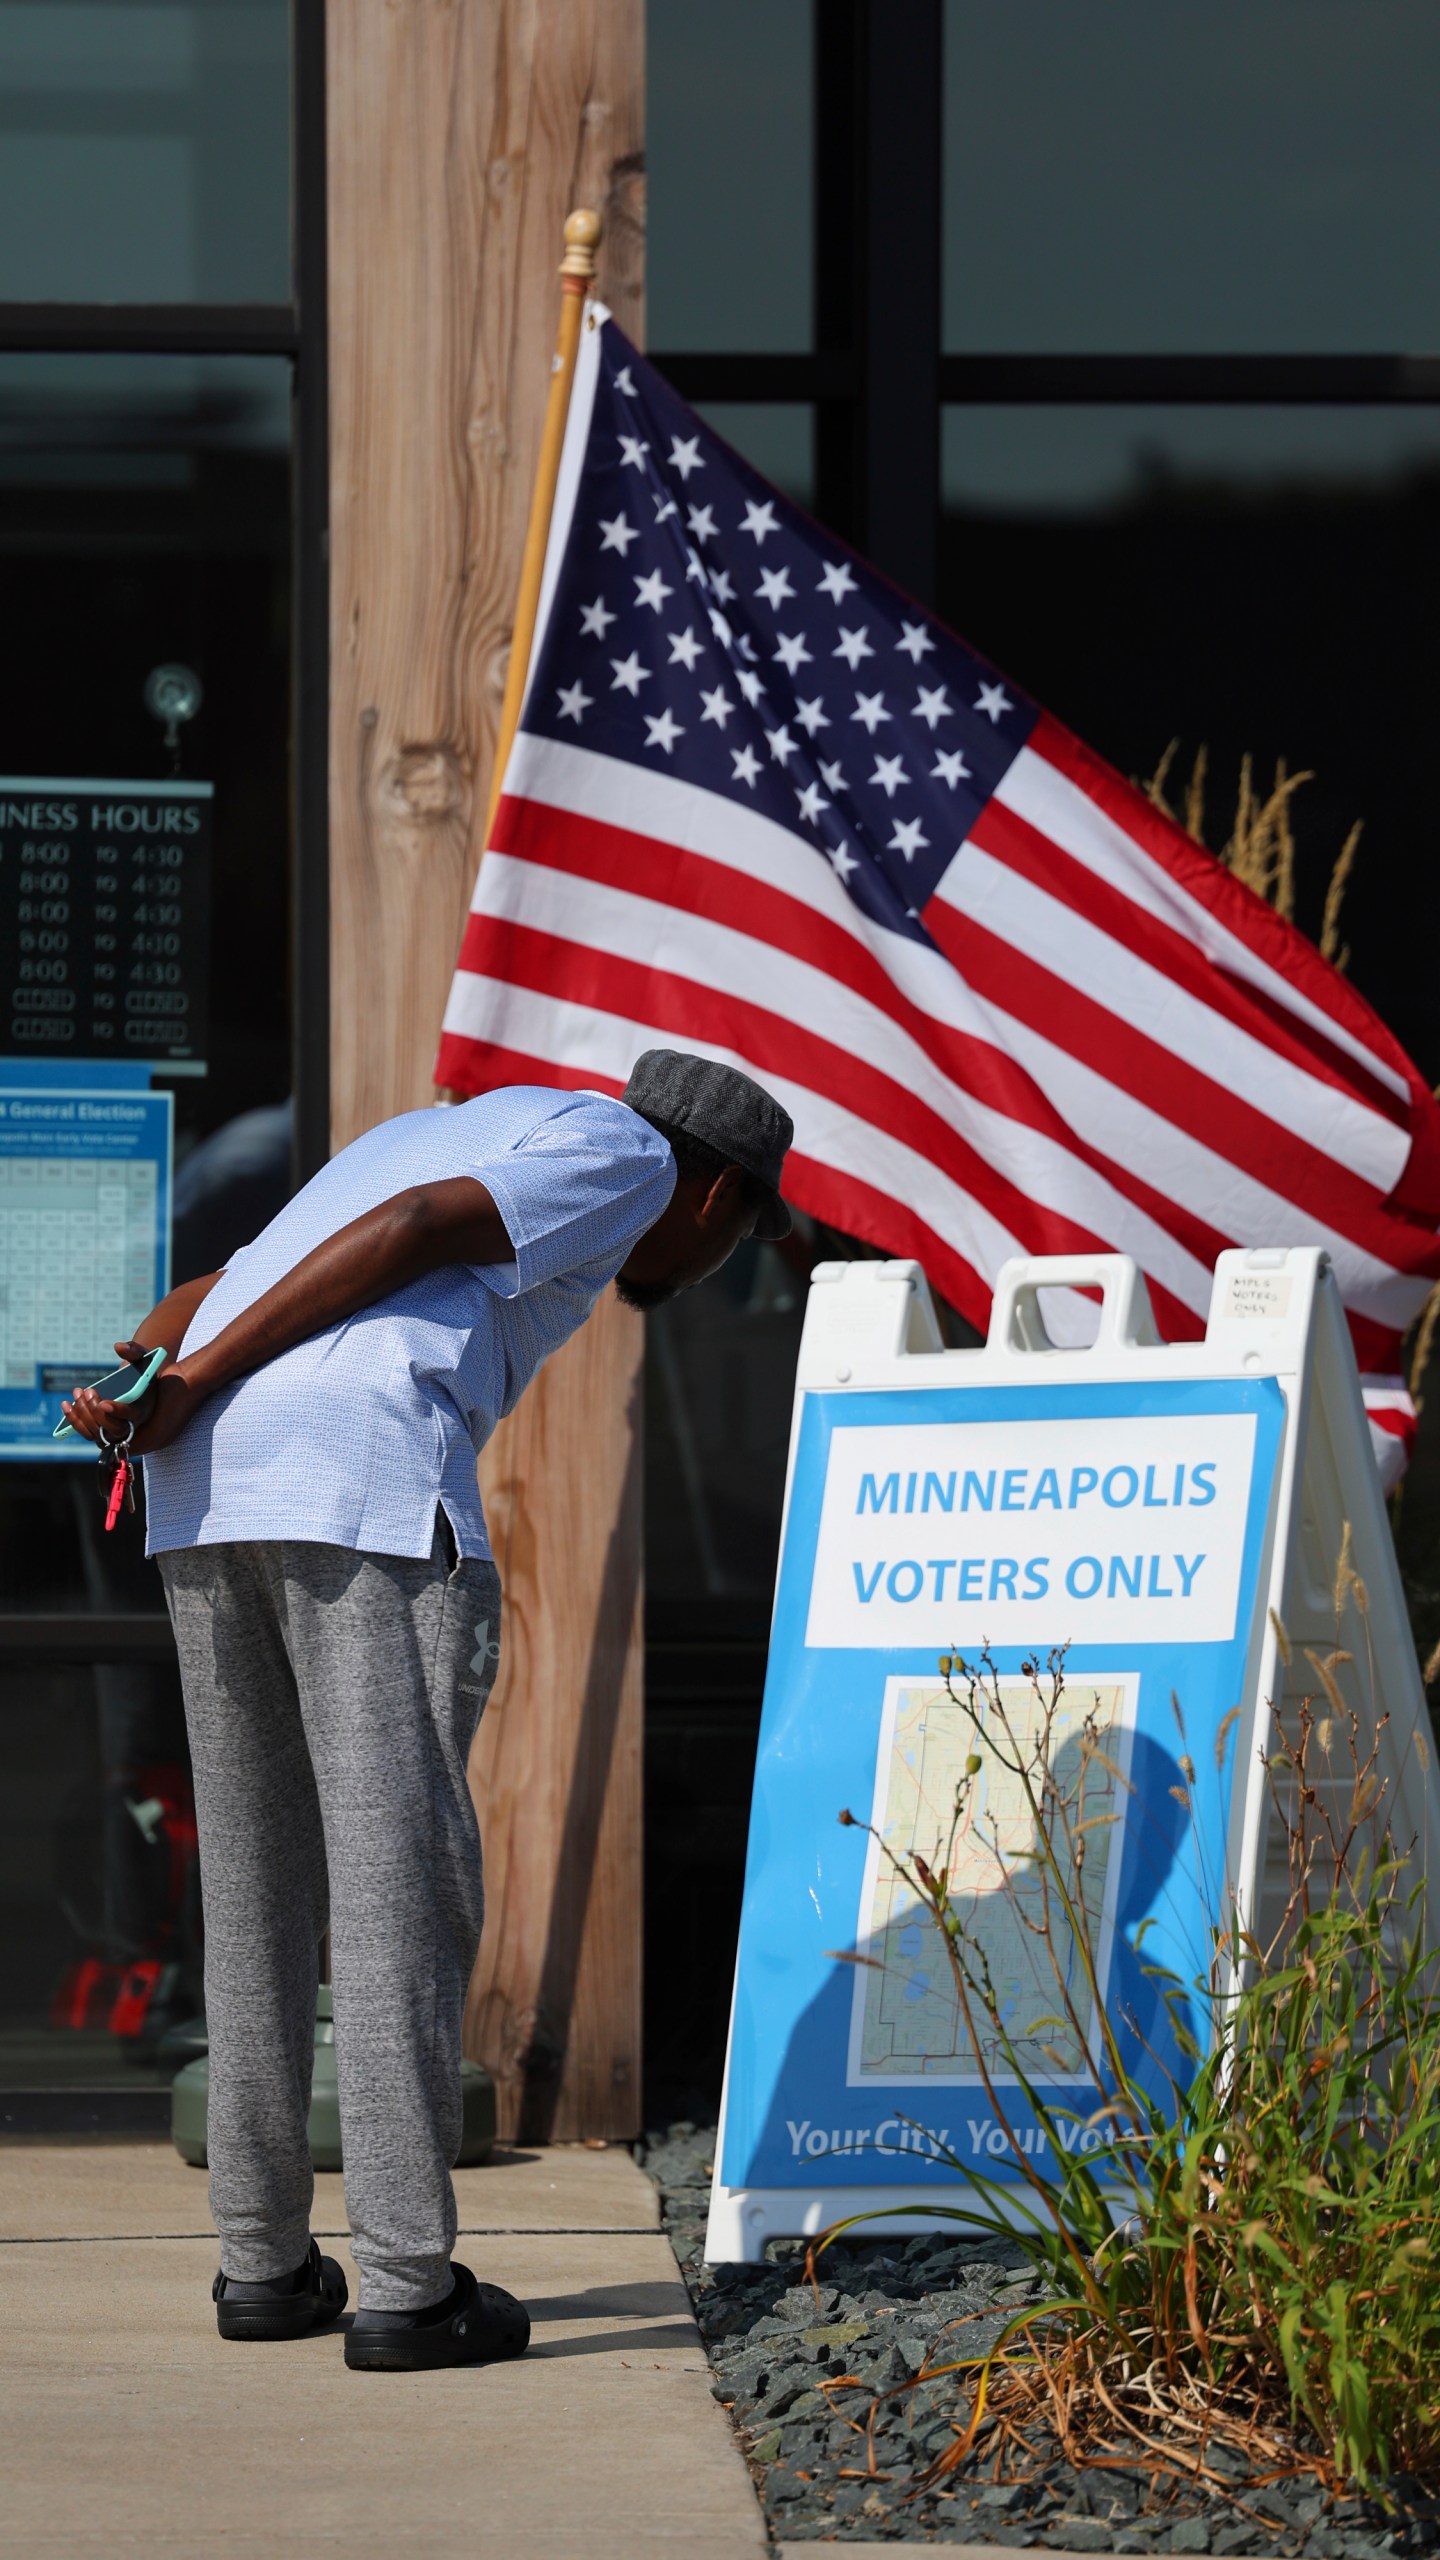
582, 239
577, 271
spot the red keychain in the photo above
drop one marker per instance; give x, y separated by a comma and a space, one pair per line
121, 1488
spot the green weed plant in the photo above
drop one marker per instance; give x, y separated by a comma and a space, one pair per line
1247, 2270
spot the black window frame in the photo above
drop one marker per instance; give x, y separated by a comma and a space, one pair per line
295, 329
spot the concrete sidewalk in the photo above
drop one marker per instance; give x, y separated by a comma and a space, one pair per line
129, 2426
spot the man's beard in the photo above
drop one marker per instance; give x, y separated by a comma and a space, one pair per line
643, 1294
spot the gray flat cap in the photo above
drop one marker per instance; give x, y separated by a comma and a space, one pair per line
726, 1111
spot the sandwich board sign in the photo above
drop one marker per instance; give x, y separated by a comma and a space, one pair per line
1153, 1509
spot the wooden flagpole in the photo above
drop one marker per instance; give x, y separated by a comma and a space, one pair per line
577, 273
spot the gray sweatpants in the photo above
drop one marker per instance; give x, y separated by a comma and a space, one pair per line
332, 1699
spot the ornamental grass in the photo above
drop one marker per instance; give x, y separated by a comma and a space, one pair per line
1240, 2281
1260, 847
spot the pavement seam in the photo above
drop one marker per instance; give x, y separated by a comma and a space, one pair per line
466, 2231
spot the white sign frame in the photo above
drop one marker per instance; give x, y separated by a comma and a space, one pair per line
1274, 1314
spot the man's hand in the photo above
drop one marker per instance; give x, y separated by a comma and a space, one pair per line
158, 1417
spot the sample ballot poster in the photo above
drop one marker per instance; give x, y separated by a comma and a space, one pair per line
1126, 1523
84, 1244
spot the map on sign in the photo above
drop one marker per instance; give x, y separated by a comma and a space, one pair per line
908, 2023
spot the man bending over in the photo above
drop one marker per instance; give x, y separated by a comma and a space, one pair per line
310, 1486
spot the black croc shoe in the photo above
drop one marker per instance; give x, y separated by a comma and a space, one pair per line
475, 2324
286, 2307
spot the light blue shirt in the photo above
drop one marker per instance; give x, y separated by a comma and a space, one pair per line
354, 1436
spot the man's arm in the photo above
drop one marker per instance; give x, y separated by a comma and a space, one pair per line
417, 1231
171, 1320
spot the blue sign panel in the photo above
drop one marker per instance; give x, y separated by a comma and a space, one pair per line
1125, 1524
84, 1243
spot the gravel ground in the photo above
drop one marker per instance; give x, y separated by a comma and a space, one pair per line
845, 2465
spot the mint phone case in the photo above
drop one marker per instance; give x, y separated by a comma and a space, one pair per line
132, 1395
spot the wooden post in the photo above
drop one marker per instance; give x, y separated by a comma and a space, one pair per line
460, 132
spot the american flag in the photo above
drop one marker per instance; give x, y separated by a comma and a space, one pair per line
761, 806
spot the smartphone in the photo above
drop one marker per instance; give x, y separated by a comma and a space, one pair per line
120, 1386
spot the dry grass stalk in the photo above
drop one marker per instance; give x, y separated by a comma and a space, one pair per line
1424, 1343
1331, 946
1260, 848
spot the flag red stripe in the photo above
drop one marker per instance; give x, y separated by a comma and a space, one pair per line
576, 973
468, 1065
1251, 921
1227, 1123
836, 1199
873, 1217
691, 884
1012, 840
592, 848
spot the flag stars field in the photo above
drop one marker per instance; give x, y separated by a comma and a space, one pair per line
852, 646
915, 640
994, 701
1049, 1023
662, 731
909, 838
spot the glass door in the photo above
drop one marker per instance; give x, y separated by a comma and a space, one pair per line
161, 725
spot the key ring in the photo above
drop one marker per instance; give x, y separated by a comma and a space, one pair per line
121, 1445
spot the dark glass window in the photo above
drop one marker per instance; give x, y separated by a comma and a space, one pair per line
1131, 177
144, 151
778, 437
730, 150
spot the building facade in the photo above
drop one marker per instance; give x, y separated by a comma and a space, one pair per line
1104, 332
